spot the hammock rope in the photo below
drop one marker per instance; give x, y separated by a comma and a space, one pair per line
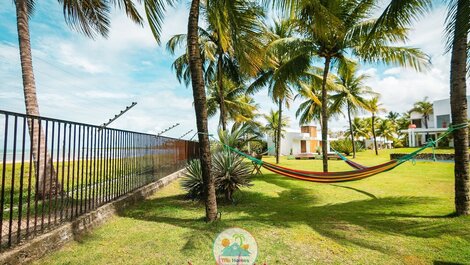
361, 171
429, 144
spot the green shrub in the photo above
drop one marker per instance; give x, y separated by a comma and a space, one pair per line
343, 146
398, 143
360, 146
230, 171
192, 182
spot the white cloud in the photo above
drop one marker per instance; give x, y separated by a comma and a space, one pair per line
90, 81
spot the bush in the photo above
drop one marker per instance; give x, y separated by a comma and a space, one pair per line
192, 182
398, 143
343, 146
360, 146
230, 171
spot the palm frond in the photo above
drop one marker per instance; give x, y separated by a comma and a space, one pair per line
89, 17
155, 11
130, 9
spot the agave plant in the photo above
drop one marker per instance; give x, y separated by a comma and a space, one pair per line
343, 146
231, 173
192, 181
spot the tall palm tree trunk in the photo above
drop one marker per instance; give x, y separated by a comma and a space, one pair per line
220, 86
47, 182
351, 130
199, 94
375, 136
279, 133
458, 101
324, 115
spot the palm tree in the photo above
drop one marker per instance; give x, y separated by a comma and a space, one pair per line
353, 94
386, 129
360, 129
458, 27
284, 66
275, 127
424, 108
200, 106
90, 18
230, 46
239, 136
332, 29
374, 107
393, 117
309, 89
240, 107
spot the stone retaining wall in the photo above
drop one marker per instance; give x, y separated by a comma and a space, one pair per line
426, 156
55, 239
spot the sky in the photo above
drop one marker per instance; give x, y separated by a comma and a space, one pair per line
90, 81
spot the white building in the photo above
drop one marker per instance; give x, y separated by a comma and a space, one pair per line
438, 123
307, 140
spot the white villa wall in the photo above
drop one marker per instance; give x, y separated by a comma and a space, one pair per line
442, 107
288, 143
431, 121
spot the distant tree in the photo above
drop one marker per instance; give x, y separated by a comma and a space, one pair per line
374, 107
393, 117
352, 95
275, 127
386, 129
283, 67
332, 29
424, 108
238, 105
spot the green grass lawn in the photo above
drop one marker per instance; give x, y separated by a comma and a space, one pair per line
398, 217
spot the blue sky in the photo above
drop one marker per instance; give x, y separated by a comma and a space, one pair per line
90, 80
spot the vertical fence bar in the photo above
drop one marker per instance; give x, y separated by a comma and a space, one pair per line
86, 169
30, 173
95, 182
12, 186
107, 173
50, 177
72, 187
4, 171
58, 188
113, 165
101, 175
65, 187
20, 199
78, 184
126, 163
120, 160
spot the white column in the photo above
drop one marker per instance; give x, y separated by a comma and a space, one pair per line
410, 138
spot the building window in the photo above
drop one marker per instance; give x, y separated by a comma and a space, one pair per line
417, 122
443, 121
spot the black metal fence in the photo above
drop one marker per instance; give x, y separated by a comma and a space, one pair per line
70, 168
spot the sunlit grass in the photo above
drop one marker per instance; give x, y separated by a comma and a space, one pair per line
398, 217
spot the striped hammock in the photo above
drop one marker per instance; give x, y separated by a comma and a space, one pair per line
361, 171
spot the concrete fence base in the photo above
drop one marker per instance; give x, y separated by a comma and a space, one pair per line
39, 246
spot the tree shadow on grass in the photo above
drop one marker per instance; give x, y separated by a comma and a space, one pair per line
341, 222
